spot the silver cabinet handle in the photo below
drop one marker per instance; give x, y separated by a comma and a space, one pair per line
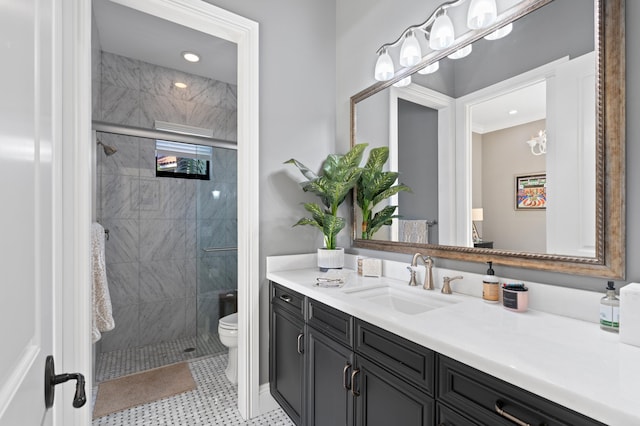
353, 382
300, 349
499, 410
285, 298
345, 377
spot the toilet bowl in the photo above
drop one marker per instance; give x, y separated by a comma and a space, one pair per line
228, 332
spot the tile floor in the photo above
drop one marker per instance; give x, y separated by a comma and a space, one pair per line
214, 402
110, 365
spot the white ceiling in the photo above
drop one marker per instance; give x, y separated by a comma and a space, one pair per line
128, 32
492, 115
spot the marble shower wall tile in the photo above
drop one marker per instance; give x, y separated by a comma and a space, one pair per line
126, 160
124, 238
162, 321
147, 157
120, 71
163, 198
126, 332
120, 105
162, 239
162, 280
163, 108
124, 283
119, 196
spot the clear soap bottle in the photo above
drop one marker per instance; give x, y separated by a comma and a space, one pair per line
610, 310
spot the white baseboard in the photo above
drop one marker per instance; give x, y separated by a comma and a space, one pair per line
267, 403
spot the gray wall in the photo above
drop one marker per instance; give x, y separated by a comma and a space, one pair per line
297, 120
157, 226
505, 155
364, 25
418, 151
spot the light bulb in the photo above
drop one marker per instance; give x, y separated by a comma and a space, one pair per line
430, 69
384, 67
500, 32
481, 14
461, 53
442, 34
403, 83
410, 52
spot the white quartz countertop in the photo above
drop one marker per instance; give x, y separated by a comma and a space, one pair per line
568, 361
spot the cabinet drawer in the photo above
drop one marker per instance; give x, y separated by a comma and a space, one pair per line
287, 299
330, 321
479, 396
404, 358
445, 416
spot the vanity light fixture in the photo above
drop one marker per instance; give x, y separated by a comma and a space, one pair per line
440, 32
190, 56
430, 69
404, 82
538, 144
500, 32
461, 53
410, 53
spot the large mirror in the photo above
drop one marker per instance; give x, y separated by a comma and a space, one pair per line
514, 152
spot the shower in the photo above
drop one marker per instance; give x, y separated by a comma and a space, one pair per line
108, 150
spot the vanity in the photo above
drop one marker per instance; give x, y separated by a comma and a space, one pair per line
377, 352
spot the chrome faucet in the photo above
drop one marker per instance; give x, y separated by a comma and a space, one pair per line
428, 278
446, 286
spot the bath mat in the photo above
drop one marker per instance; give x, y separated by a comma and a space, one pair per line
141, 388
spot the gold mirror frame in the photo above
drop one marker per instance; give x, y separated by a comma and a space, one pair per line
609, 261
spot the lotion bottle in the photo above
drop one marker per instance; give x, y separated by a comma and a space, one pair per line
490, 286
610, 310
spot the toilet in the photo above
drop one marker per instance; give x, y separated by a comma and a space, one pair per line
228, 332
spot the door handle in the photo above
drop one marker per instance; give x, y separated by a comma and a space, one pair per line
51, 379
353, 382
345, 377
300, 348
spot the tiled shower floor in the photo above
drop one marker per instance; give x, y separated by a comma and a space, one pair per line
213, 402
110, 365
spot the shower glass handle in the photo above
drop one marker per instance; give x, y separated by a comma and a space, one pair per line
51, 379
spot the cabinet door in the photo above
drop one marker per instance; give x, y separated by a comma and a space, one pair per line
385, 399
286, 369
329, 369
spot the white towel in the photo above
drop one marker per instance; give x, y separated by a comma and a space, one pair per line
102, 313
413, 231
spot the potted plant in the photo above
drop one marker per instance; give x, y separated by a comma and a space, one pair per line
339, 175
374, 186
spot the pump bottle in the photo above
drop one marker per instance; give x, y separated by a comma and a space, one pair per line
610, 310
490, 286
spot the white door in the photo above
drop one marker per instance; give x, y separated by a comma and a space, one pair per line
26, 183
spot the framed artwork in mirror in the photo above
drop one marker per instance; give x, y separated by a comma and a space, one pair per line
531, 192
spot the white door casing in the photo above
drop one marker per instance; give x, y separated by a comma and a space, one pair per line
217, 22
29, 191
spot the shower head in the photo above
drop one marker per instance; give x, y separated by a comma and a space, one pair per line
108, 150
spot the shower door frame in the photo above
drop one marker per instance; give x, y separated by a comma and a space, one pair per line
219, 23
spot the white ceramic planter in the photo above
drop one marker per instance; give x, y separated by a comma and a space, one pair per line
330, 259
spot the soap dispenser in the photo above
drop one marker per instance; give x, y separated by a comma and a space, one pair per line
490, 286
610, 310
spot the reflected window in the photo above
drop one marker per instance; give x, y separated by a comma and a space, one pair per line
183, 160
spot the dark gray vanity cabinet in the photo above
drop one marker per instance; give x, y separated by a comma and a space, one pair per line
467, 396
286, 352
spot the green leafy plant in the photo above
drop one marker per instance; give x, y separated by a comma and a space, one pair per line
340, 173
374, 186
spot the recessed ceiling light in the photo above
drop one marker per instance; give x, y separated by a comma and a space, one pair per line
180, 85
513, 112
190, 57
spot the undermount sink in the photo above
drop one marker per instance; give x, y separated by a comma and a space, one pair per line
402, 301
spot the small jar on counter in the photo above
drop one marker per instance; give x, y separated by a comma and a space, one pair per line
515, 297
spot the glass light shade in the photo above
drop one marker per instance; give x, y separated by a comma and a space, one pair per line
403, 83
430, 69
410, 53
384, 67
481, 14
477, 214
442, 33
461, 53
500, 32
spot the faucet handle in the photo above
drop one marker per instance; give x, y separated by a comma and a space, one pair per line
446, 285
412, 280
